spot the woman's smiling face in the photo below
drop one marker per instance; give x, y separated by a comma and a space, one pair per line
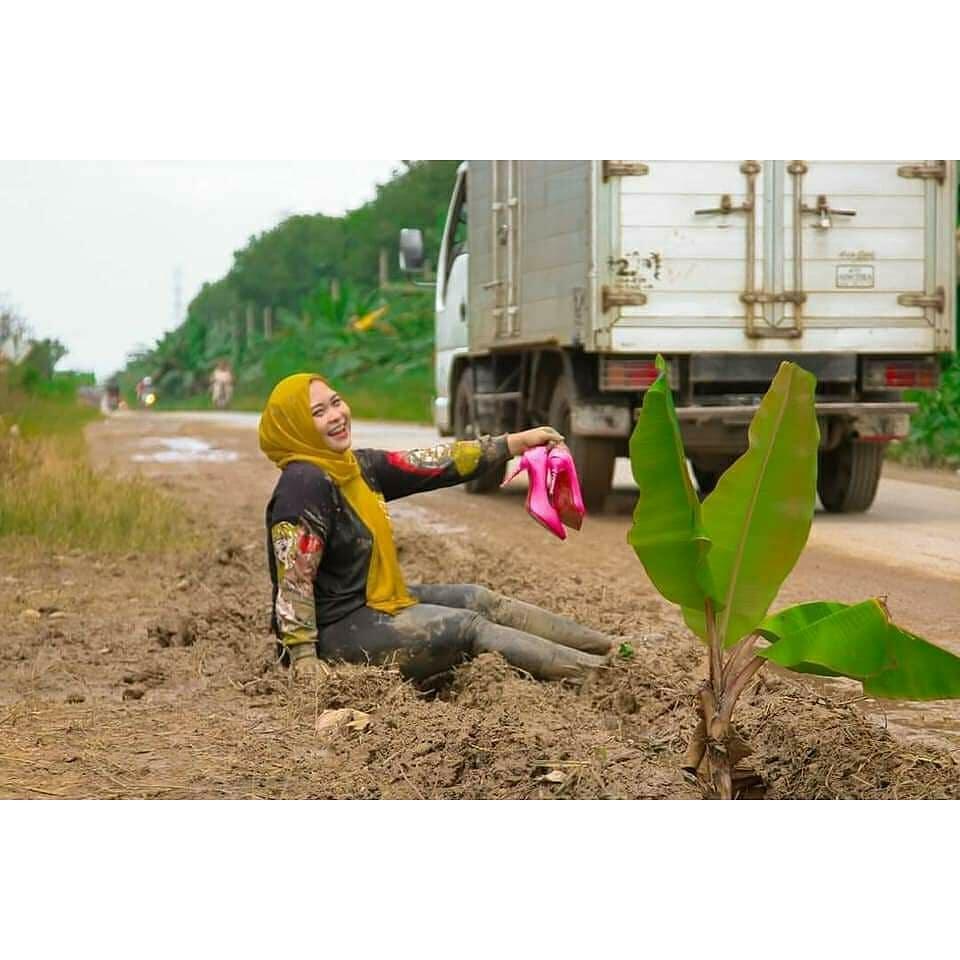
331, 416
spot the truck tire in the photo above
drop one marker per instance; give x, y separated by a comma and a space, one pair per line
595, 457
465, 429
848, 476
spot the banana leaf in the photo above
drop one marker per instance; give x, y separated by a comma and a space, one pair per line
922, 670
667, 533
758, 517
793, 619
830, 639
859, 642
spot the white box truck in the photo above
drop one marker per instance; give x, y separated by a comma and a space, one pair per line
558, 283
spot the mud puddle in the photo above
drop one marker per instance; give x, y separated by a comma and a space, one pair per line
182, 450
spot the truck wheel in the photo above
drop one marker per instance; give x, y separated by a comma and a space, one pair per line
595, 457
848, 476
465, 429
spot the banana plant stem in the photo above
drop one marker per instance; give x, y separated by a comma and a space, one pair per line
717, 742
741, 653
716, 651
695, 749
717, 731
732, 693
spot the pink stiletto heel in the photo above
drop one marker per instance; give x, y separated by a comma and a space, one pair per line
565, 487
539, 507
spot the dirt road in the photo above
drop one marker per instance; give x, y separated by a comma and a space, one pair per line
155, 677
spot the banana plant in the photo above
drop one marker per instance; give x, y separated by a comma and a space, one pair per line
723, 562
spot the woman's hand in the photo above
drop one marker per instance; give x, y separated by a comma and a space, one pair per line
517, 443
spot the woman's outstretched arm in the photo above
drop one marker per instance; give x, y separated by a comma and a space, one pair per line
401, 473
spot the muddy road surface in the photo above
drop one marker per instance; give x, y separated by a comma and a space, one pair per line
155, 676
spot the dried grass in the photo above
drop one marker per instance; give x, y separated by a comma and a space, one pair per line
49, 494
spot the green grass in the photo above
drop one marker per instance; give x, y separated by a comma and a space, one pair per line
405, 396
43, 417
51, 497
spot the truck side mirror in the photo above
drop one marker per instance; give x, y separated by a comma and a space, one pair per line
411, 250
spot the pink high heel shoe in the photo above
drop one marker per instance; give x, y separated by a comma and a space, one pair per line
534, 461
564, 487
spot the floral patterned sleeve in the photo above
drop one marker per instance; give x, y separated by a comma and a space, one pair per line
298, 548
404, 472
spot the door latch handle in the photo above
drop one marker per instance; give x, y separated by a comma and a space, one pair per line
825, 212
726, 206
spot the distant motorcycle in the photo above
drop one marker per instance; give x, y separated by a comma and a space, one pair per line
146, 393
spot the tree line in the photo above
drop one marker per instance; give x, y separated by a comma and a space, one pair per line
309, 292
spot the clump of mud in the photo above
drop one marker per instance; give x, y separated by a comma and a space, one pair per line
805, 745
810, 747
491, 733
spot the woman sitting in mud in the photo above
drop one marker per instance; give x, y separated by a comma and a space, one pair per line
338, 591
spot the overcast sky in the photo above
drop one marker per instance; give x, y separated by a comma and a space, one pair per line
88, 251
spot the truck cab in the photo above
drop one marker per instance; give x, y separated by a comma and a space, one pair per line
451, 332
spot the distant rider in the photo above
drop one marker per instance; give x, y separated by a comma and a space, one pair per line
144, 386
221, 384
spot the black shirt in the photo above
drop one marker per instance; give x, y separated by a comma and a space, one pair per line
319, 537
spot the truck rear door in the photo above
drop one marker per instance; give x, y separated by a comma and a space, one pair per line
860, 252
687, 241
806, 256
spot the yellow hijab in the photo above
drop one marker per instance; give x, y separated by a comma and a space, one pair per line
288, 433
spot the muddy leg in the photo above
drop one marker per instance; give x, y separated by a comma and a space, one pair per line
428, 639
541, 658
515, 613
422, 640
435, 637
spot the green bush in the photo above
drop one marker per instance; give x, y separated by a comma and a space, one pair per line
935, 429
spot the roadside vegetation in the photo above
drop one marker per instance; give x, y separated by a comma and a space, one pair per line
377, 350
50, 495
405, 396
934, 439
316, 293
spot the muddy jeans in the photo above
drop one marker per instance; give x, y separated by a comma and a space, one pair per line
453, 622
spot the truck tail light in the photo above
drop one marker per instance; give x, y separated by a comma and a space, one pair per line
631, 373
918, 374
